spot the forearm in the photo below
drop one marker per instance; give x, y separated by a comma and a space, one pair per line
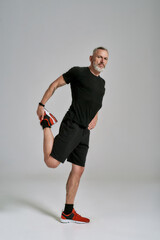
49, 92
93, 123
52, 88
96, 116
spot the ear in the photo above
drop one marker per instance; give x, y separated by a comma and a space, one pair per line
90, 58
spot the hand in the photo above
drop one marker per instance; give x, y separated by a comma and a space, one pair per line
40, 112
93, 123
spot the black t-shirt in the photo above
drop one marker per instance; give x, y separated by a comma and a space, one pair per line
87, 94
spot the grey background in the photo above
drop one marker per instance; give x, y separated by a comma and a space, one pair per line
40, 40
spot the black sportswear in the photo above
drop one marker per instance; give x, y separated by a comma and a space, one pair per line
87, 94
72, 143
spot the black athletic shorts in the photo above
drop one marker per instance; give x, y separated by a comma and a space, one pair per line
71, 143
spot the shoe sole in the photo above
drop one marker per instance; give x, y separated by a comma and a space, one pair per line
71, 221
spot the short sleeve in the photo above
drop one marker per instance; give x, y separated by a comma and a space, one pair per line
69, 75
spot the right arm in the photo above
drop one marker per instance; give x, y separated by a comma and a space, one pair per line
59, 82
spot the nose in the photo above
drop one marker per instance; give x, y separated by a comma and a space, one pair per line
102, 60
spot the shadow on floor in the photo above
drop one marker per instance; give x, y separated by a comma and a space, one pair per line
10, 201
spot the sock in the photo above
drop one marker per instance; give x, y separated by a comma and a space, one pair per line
68, 208
44, 124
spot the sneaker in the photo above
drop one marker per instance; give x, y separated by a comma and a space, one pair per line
49, 118
73, 217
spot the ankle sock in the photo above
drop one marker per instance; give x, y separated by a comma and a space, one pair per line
44, 124
68, 208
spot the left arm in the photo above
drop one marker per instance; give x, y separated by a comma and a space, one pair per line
93, 123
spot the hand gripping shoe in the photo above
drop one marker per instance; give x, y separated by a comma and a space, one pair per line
48, 119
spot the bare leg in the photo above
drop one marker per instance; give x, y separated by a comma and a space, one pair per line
73, 183
47, 148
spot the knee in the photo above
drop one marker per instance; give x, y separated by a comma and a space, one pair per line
78, 170
51, 162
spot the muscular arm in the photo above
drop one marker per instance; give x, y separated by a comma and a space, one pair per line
59, 82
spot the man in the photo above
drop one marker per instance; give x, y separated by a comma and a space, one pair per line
72, 142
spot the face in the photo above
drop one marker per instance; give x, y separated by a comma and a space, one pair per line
99, 60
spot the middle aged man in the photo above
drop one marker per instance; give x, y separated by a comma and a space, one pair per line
72, 142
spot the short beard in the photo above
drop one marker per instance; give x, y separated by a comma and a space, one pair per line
97, 68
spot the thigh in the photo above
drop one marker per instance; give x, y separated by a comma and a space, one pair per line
66, 141
79, 154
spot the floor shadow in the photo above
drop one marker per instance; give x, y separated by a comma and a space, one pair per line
15, 201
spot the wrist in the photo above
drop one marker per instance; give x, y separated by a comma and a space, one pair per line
41, 104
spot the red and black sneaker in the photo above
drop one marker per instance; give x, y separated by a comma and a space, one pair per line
73, 217
48, 118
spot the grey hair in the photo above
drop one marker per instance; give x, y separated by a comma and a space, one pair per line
102, 48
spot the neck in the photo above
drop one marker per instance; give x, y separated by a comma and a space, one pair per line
96, 73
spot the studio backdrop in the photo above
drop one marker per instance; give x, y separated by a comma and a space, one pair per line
40, 40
